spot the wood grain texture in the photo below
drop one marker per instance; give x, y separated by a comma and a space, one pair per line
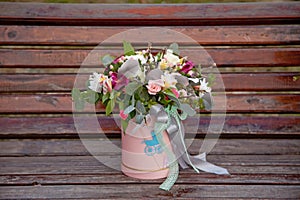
223, 57
231, 82
158, 15
148, 191
186, 176
64, 126
74, 147
204, 35
68, 165
62, 103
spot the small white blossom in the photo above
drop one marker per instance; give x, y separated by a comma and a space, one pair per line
172, 59
204, 86
137, 57
95, 82
169, 80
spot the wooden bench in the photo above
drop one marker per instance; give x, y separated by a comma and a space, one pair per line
255, 46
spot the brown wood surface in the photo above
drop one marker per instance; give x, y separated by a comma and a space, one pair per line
74, 147
149, 191
60, 127
223, 57
62, 103
184, 177
42, 156
62, 165
204, 35
142, 15
232, 82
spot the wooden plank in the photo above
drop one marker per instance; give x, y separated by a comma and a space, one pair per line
74, 147
146, 191
223, 57
158, 15
232, 82
204, 35
236, 164
64, 126
185, 176
62, 103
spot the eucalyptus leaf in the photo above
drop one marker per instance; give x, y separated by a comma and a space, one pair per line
140, 107
129, 69
139, 119
207, 101
129, 109
107, 60
154, 74
128, 48
75, 93
188, 109
90, 96
175, 48
79, 104
132, 87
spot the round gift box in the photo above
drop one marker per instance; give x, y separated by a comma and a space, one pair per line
142, 155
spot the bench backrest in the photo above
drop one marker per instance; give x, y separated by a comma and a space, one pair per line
255, 46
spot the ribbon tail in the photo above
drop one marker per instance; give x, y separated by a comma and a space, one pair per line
208, 167
201, 163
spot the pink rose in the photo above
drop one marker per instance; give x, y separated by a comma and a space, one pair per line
154, 86
123, 115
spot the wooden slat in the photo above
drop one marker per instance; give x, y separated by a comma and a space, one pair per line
74, 147
253, 57
236, 164
204, 35
232, 82
146, 191
186, 176
64, 126
62, 103
195, 14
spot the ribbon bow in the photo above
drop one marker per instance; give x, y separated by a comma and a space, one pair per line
170, 120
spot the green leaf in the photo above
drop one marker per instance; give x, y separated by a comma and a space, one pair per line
128, 48
132, 87
139, 119
211, 79
129, 109
124, 124
140, 107
207, 101
110, 106
105, 97
90, 96
79, 104
107, 60
188, 109
172, 97
175, 48
75, 93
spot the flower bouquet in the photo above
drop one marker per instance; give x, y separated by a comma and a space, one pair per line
155, 90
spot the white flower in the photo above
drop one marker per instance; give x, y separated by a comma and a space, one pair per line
169, 80
172, 59
95, 82
138, 57
204, 86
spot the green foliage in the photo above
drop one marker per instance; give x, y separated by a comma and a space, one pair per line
107, 60
132, 87
128, 49
175, 48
